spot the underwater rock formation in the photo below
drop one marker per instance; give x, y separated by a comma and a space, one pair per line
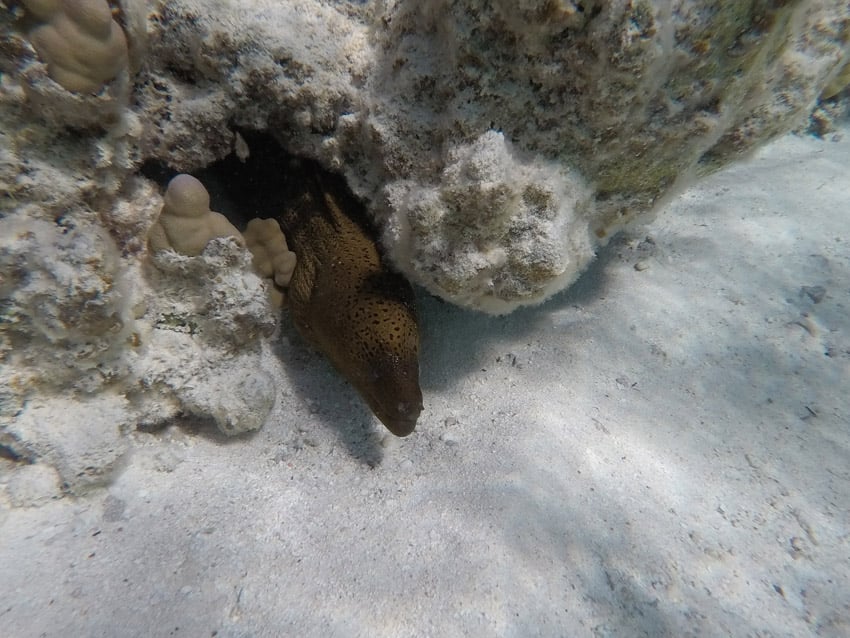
628, 101
209, 319
602, 110
496, 147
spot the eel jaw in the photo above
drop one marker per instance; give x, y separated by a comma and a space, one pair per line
395, 399
401, 421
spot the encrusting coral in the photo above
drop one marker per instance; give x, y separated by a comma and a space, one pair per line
82, 45
186, 223
272, 257
210, 303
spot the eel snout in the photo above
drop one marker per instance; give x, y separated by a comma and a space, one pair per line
393, 393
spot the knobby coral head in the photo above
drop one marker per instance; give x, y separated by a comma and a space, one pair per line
186, 197
186, 224
83, 46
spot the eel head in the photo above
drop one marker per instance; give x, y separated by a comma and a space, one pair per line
370, 334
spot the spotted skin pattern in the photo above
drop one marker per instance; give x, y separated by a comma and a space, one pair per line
346, 302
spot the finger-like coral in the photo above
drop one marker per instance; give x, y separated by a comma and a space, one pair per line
186, 223
82, 45
272, 258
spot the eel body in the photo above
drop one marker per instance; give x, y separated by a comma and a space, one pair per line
346, 302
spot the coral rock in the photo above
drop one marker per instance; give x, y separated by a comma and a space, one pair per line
66, 313
603, 110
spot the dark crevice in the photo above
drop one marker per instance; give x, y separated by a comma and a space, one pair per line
241, 190
262, 185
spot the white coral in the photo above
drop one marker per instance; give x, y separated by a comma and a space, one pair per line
209, 315
66, 313
496, 227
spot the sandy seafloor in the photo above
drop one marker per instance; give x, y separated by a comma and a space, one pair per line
664, 450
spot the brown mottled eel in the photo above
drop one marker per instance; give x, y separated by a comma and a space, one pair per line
348, 304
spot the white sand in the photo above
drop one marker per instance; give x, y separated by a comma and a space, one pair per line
662, 451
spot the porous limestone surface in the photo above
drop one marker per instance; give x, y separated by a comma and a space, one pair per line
64, 322
74, 386
497, 146
627, 100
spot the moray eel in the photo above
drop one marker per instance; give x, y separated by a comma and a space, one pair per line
346, 302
